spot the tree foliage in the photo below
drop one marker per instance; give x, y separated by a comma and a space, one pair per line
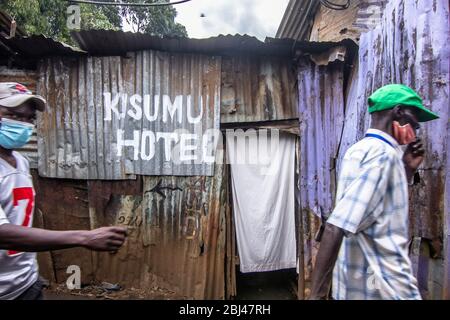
158, 20
49, 17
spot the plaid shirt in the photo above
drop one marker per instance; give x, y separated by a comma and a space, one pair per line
372, 209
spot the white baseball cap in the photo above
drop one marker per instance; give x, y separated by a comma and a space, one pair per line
13, 94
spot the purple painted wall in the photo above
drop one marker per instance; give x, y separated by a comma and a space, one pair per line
409, 46
321, 110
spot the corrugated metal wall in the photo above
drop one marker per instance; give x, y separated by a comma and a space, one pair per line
177, 233
411, 47
321, 109
75, 141
63, 205
257, 88
178, 225
446, 272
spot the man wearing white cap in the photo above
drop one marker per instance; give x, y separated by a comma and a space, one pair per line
19, 277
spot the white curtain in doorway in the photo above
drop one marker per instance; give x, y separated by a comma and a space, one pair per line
263, 200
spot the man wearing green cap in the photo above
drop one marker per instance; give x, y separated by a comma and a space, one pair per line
364, 246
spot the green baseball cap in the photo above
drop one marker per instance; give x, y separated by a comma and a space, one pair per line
391, 95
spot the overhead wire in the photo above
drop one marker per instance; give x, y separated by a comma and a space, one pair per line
335, 6
128, 4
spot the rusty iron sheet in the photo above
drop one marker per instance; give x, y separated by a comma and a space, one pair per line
321, 110
63, 205
257, 89
36, 47
91, 110
45, 261
446, 274
177, 232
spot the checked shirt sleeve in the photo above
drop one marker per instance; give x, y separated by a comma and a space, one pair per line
361, 201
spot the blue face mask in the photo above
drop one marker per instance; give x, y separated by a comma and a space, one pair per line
14, 134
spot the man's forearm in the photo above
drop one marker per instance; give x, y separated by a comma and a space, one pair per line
18, 238
325, 260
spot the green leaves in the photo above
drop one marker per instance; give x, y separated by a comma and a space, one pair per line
49, 17
158, 21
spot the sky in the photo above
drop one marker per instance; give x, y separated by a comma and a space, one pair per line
259, 18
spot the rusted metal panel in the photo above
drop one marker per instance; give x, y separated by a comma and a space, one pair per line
446, 273
80, 138
44, 258
321, 114
257, 89
26, 77
231, 247
321, 109
64, 206
177, 232
335, 25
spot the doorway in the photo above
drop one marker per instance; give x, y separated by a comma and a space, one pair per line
280, 282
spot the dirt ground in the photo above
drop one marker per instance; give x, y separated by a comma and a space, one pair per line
277, 285
98, 292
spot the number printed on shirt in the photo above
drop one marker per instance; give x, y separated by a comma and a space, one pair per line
24, 199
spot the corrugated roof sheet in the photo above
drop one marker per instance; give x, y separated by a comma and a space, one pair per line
109, 42
298, 19
37, 46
